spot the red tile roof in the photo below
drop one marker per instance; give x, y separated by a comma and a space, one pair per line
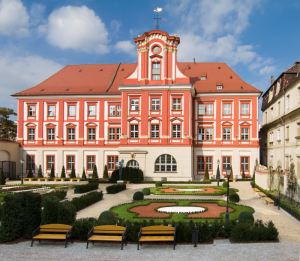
96, 78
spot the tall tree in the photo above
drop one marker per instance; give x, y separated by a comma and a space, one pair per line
8, 130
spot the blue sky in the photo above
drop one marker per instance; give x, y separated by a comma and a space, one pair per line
256, 38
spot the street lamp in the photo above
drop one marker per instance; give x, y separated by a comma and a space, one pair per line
228, 173
22, 162
218, 162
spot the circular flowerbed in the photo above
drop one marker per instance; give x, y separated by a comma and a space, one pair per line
159, 210
190, 190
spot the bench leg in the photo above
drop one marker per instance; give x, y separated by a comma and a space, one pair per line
174, 245
87, 245
122, 245
138, 246
66, 243
32, 243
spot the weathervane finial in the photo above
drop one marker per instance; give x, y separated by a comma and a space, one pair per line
157, 10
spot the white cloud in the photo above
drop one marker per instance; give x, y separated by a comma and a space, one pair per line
267, 70
37, 13
77, 28
14, 19
18, 73
126, 47
115, 26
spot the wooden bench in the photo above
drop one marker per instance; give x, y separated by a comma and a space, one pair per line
261, 194
256, 190
53, 232
269, 201
127, 181
108, 233
157, 233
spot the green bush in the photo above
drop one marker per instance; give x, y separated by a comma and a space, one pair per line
107, 215
86, 188
146, 191
234, 197
87, 200
206, 175
113, 189
225, 184
95, 173
66, 213
63, 172
138, 195
50, 179
52, 172
2, 179
133, 175
158, 184
50, 211
67, 179
40, 174
231, 190
13, 214
29, 174
72, 176
61, 194
243, 173
82, 227
105, 172
83, 177
246, 216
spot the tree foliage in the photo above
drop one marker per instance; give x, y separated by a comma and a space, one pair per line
8, 130
63, 172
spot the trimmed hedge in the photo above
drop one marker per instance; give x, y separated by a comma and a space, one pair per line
225, 184
66, 213
158, 184
246, 216
234, 197
113, 189
86, 188
134, 175
60, 194
50, 211
107, 215
138, 195
146, 191
87, 200
180, 182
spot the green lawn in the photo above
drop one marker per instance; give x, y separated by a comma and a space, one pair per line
123, 211
157, 191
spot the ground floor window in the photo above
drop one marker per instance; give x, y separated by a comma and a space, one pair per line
165, 163
203, 161
111, 162
50, 162
70, 162
226, 162
90, 162
245, 163
133, 164
30, 162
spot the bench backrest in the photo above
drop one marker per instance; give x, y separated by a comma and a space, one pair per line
55, 228
158, 230
109, 229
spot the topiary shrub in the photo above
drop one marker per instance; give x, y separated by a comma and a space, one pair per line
95, 172
158, 184
231, 190
83, 177
63, 172
52, 172
113, 189
234, 197
33, 213
107, 215
66, 213
206, 175
29, 174
246, 216
40, 174
50, 211
146, 191
138, 195
72, 176
105, 172
225, 184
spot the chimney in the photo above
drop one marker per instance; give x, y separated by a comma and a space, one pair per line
272, 79
194, 60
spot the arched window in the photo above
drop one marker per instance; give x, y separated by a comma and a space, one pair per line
165, 163
133, 164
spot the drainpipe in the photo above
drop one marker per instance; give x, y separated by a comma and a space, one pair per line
283, 130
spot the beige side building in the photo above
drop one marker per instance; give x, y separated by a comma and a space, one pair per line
280, 133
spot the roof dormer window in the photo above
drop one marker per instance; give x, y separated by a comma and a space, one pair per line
156, 71
203, 78
219, 87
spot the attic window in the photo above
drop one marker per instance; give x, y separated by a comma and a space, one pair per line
122, 69
219, 67
80, 70
42, 90
230, 77
101, 70
90, 89
219, 87
203, 78
67, 89
189, 67
241, 87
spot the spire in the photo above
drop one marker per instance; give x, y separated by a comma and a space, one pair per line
157, 10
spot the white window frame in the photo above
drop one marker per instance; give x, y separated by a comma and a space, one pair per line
31, 111
245, 108
176, 131
92, 134
227, 108
155, 104
92, 110
226, 133
72, 110
245, 134
50, 133
176, 104
134, 104
134, 131
71, 133
51, 111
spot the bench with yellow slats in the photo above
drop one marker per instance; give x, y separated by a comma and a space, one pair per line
269, 200
157, 234
53, 232
108, 233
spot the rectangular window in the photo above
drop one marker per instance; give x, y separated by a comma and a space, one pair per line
245, 108
209, 162
209, 109
92, 110
288, 102
112, 110
245, 134
201, 164
176, 131
31, 132
298, 94
134, 131
72, 110
90, 162
112, 133
226, 163
112, 160
155, 71
155, 104
154, 131
50, 162
91, 133
201, 109
51, 111
118, 133
226, 133
134, 104
278, 108
278, 134
30, 162
71, 133
209, 132
70, 162
31, 111
245, 163
177, 104
118, 110
201, 135
227, 109
50, 134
